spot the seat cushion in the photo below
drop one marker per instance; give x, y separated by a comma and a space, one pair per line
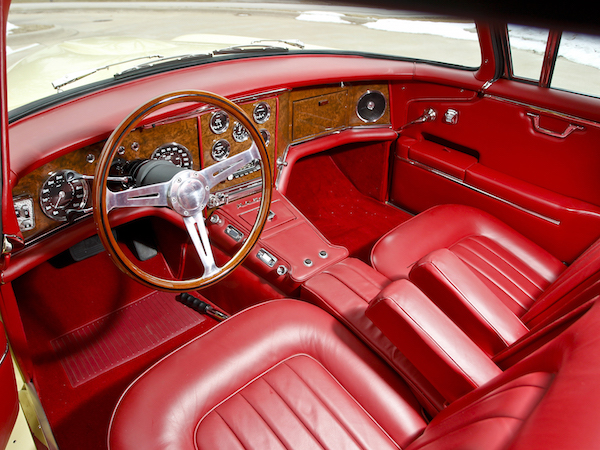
279, 372
345, 290
467, 300
513, 267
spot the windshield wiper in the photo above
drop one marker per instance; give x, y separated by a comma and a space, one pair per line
75, 76
291, 42
166, 62
250, 48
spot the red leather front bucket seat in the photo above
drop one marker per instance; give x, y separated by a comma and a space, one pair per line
285, 374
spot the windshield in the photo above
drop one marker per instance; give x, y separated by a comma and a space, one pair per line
56, 46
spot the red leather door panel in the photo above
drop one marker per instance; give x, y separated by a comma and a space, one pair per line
494, 158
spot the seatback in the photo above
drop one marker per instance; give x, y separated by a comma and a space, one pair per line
547, 400
568, 290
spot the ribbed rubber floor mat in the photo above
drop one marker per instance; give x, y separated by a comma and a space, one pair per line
103, 344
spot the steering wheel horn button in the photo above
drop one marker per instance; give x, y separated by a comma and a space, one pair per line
189, 193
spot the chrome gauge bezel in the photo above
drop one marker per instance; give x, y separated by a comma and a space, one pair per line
219, 122
220, 155
63, 192
266, 136
259, 117
239, 132
176, 153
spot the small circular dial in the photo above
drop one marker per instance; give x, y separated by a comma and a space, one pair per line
240, 133
266, 136
219, 122
63, 192
261, 113
220, 150
176, 153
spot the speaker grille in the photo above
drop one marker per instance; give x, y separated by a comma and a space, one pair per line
371, 106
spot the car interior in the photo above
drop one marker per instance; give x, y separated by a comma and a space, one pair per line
331, 250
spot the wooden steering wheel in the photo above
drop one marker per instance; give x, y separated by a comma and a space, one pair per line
186, 192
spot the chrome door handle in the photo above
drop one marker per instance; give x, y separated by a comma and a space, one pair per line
535, 120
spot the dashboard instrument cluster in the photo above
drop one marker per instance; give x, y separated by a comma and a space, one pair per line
58, 193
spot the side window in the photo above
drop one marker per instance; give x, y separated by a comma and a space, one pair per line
527, 47
577, 68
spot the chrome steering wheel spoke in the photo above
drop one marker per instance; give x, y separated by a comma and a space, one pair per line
151, 195
199, 236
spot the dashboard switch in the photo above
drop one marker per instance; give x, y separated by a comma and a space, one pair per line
234, 233
24, 213
266, 257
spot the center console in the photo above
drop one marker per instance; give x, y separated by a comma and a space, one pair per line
290, 250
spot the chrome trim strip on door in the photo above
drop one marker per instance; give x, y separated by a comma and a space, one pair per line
537, 109
480, 191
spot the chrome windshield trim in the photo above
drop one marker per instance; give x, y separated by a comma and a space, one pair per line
5, 354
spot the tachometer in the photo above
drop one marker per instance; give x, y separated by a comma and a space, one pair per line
176, 153
63, 192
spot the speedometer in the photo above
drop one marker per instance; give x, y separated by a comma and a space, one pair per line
63, 192
176, 153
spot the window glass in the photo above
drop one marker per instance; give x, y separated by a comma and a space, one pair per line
527, 46
577, 67
60, 45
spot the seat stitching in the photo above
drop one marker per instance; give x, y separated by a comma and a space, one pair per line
463, 244
347, 393
475, 269
227, 425
262, 418
317, 439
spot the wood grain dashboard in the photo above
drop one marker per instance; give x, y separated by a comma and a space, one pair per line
197, 140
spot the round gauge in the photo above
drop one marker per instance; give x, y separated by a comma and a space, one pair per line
261, 113
266, 136
176, 153
219, 122
63, 191
220, 150
240, 133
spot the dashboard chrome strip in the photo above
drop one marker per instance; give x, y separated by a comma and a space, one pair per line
480, 191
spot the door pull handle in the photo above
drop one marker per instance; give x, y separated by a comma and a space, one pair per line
535, 120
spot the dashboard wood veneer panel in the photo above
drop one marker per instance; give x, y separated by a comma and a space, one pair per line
322, 110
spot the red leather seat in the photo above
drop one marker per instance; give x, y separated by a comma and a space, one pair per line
512, 267
492, 282
287, 375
